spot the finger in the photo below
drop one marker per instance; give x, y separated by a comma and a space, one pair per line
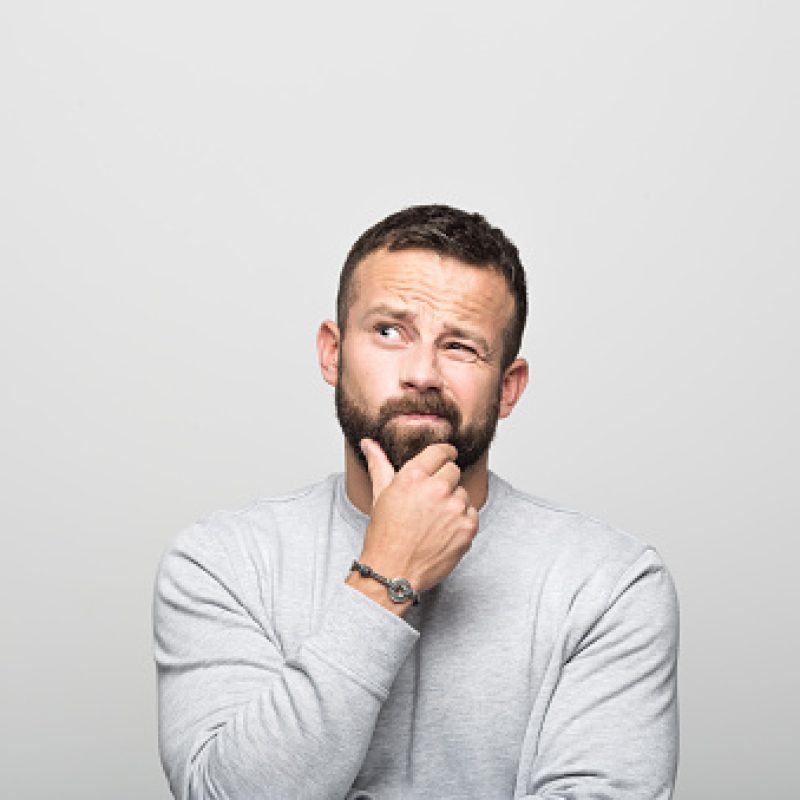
433, 457
381, 471
450, 474
461, 494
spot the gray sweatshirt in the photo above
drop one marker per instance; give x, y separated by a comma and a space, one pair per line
543, 667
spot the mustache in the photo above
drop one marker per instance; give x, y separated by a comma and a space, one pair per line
420, 404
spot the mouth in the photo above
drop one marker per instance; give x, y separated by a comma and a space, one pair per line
422, 417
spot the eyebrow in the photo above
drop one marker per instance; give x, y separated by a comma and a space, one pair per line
404, 315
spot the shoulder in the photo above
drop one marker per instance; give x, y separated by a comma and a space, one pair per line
234, 536
578, 570
573, 545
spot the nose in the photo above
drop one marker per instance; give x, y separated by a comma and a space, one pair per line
420, 368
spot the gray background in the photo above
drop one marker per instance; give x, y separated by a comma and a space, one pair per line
179, 185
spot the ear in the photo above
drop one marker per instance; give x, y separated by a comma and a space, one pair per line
328, 341
515, 380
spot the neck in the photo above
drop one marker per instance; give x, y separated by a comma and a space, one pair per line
359, 486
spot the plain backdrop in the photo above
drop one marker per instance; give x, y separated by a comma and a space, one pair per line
179, 184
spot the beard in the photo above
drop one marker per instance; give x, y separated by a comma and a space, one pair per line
402, 442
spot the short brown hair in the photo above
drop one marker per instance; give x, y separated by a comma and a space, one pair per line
449, 232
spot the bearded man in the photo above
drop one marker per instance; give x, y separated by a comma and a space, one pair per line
416, 627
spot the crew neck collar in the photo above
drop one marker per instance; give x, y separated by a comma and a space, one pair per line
358, 520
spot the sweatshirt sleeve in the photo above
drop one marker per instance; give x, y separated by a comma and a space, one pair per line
611, 728
241, 720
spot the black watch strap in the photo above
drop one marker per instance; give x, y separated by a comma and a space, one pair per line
399, 589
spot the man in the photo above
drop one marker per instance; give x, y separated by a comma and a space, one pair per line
416, 627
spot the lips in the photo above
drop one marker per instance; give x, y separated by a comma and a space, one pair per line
413, 411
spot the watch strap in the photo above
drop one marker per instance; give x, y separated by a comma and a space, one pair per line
399, 589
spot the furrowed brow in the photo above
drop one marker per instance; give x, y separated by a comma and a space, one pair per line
385, 310
404, 315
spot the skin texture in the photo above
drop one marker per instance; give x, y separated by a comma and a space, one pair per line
424, 333
401, 442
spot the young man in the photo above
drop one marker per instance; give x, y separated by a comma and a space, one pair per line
416, 627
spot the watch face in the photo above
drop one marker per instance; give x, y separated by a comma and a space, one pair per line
400, 590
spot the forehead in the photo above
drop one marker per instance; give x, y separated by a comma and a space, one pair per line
433, 286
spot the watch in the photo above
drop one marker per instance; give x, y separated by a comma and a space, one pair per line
400, 590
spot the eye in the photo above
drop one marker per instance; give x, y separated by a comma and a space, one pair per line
461, 351
387, 331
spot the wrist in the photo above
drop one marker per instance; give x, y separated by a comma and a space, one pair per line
394, 594
376, 593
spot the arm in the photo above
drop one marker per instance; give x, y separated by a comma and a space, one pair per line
610, 731
238, 718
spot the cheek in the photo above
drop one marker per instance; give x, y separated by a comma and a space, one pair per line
370, 372
473, 393
460, 384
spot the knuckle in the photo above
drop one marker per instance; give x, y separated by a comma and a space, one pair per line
451, 509
446, 449
456, 503
442, 489
413, 472
463, 542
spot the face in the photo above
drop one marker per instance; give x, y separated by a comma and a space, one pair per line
420, 361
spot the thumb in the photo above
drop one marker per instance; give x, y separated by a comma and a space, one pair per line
381, 471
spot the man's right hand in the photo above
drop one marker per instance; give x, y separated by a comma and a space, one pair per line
422, 522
